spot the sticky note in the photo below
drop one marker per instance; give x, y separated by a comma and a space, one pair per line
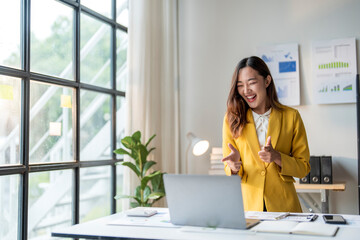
6, 92
55, 129
65, 101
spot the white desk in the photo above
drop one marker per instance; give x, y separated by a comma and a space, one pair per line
100, 229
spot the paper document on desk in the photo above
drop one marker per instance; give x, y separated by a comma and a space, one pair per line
304, 228
161, 219
299, 217
265, 215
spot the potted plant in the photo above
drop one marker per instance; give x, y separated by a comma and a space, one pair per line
145, 195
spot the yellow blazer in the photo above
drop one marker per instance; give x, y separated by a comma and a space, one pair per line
268, 182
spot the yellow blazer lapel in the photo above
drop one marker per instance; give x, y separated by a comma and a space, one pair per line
249, 133
274, 126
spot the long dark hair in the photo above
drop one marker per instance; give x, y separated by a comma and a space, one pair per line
237, 107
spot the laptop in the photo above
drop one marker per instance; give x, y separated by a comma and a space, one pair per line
206, 201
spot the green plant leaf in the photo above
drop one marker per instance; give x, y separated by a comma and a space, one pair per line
156, 195
151, 149
117, 197
140, 153
151, 138
121, 151
146, 179
136, 136
135, 155
147, 165
134, 204
147, 192
127, 142
132, 167
157, 183
138, 193
143, 154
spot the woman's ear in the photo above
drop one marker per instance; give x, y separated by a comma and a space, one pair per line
268, 80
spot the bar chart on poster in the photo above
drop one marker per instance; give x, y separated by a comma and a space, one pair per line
334, 71
283, 62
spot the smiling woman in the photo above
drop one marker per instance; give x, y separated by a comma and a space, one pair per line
252, 87
252, 72
264, 142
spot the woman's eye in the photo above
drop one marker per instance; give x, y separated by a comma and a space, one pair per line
240, 86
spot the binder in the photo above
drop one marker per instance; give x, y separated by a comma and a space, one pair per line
305, 179
326, 170
315, 172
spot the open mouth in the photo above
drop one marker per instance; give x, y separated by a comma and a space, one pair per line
251, 98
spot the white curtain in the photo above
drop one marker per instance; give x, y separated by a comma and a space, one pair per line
152, 93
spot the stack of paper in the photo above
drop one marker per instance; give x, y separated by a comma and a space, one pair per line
216, 165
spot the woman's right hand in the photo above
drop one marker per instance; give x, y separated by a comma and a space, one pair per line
233, 159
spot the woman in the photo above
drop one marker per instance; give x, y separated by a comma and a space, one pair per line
264, 142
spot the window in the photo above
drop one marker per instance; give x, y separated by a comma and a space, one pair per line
63, 76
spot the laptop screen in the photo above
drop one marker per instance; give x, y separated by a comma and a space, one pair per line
205, 200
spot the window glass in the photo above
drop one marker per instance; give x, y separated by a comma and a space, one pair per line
51, 123
121, 60
9, 210
51, 38
10, 103
10, 54
94, 193
103, 7
95, 59
50, 202
95, 123
120, 120
119, 186
51, 120
122, 12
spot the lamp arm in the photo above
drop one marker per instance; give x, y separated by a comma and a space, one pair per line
187, 158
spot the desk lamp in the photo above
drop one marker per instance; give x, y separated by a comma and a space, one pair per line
198, 147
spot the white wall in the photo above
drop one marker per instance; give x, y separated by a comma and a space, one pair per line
215, 34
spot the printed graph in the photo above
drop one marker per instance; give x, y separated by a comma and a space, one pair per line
267, 59
323, 89
348, 88
288, 66
282, 92
332, 65
334, 70
283, 62
335, 88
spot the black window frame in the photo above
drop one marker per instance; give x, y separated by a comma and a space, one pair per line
25, 75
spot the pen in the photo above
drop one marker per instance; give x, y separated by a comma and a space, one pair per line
282, 216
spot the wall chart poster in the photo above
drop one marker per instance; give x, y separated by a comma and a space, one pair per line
334, 71
283, 61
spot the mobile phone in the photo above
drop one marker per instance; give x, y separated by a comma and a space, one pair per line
335, 219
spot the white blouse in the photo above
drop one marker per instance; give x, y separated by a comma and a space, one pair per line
261, 123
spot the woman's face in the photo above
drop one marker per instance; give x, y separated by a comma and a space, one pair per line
252, 88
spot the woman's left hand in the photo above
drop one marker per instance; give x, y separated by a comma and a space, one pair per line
268, 154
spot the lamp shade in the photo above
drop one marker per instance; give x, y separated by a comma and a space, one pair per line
198, 145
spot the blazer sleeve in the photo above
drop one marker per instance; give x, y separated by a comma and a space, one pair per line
297, 163
228, 138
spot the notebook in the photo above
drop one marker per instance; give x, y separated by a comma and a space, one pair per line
206, 201
305, 228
